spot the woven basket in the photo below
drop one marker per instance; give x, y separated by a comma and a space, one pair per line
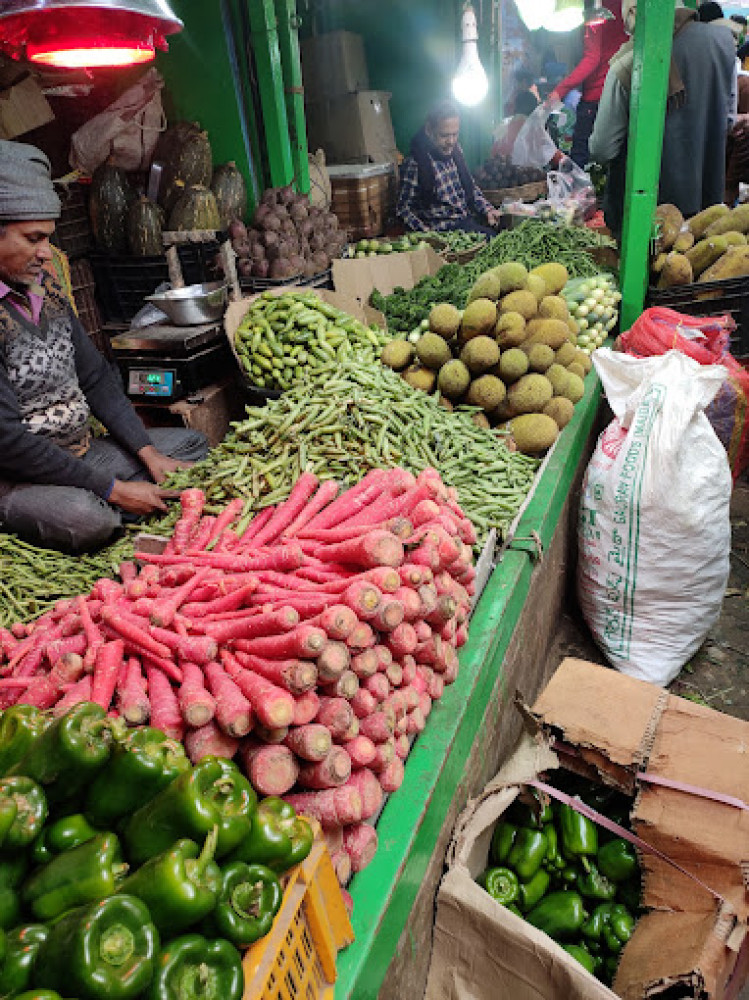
450, 257
525, 192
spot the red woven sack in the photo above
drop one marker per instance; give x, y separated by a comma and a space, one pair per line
704, 338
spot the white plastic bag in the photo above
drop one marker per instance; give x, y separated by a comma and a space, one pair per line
654, 533
126, 132
533, 146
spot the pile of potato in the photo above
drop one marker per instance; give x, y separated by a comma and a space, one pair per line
711, 246
511, 353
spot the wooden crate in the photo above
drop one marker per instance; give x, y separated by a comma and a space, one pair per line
363, 198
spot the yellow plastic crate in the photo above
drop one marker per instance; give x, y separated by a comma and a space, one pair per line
297, 960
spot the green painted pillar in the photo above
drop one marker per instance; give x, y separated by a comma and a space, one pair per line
271, 83
288, 39
652, 60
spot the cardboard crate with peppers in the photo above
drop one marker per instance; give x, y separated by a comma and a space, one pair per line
125, 871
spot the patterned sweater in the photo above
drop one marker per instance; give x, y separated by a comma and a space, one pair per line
51, 379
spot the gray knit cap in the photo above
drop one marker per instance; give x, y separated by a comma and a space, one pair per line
26, 190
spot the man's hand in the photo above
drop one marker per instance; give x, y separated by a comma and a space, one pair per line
493, 216
140, 498
159, 465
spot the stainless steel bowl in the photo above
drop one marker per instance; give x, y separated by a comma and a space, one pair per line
193, 304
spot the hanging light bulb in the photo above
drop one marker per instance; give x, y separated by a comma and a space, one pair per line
535, 13
470, 83
567, 15
72, 34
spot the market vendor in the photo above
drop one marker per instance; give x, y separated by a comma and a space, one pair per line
437, 191
700, 106
59, 486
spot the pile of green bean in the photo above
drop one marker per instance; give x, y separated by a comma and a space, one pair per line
531, 243
347, 419
284, 336
34, 579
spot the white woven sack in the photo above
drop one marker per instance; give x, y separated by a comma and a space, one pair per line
654, 533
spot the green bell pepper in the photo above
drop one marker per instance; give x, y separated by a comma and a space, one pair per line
12, 871
85, 874
278, 837
618, 928
592, 929
23, 943
630, 894
20, 725
141, 765
527, 852
60, 836
8, 813
514, 909
66, 755
179, 887
568, 875
532, 892
593, 885
553, 860
502, 841
617, 860
31, 810
105, 950
248, 900
194, 968
581, 955
579, 834
560, 914
213, 793
501, 884
39, 995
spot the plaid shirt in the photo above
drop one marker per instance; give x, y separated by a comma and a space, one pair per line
449, 202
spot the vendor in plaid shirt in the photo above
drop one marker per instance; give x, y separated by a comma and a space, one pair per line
437, 191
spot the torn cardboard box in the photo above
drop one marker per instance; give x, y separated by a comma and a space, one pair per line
616, 730
357, 278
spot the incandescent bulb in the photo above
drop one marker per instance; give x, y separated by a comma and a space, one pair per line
470, 83
535, 13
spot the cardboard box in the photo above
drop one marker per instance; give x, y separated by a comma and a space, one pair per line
354, 128
333, 64
688, 944
209, 410
23, 107
363, 197
357, 278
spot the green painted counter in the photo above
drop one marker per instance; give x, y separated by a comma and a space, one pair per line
468, 732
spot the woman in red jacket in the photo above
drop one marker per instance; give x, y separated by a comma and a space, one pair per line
602, 41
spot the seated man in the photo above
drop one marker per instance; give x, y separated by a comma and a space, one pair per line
437, 191
59, 486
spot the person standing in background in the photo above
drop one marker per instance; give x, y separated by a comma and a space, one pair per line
602, 41
737, 158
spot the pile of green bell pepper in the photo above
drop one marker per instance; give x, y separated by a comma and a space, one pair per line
125, 871
553, 867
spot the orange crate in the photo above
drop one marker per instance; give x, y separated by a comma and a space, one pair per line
297, 960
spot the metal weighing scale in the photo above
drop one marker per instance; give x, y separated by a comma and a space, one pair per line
163, 363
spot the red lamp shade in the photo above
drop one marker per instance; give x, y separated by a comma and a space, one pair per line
77, 34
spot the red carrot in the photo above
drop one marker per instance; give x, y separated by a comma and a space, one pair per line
379, 727
361, 750
200, 649
336, 714
389, 615
164, 609
109, 659
411, 602
94, 638
227, 516
402, 746
165, 713
341, 863
363, 703
210, 740
233, 709
258, 522
296, 676
130, 629
306, 707
363, 637
192, 502
266, 735
334, 770
364, 664
332, 807
363, 597
342, 533
384, 755
132, 695
272, 770
305, 641
338, 621
250, 627
80, 691
127, 571
425, 512
197, 704
352, 501
333, 839
61, 647
377, 685
67, 670
232, 601
333, 660
311, 742
423, 632
40, 692
105, 590
378, 548
324, 495
402, 640
286, 557
287, 513
273, 706
360, 843
368, 787
392, 777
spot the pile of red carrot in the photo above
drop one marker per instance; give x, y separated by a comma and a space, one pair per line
310, 646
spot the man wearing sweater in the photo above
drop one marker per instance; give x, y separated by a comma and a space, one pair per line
602, 41
59, 486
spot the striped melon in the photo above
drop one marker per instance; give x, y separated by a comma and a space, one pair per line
195, 209
230, 192
108, 206
186, 157
145, 220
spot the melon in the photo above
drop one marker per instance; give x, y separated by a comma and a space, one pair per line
195, 208
230, 193
108, 206
145, 220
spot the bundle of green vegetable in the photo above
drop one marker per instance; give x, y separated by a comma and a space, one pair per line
33, 579
593, 305
580, 885
532, 243
348, 418
284, 336
190, 876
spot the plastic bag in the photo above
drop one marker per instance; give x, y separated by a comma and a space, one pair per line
704, 338
126, 132
533, 146
654, 534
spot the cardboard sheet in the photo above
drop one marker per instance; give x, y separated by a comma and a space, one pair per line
357, 278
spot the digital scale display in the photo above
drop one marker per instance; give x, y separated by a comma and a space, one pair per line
159, 382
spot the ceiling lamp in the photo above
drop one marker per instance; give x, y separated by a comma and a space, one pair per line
535, 13
470, 84
85, 34
567, 15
